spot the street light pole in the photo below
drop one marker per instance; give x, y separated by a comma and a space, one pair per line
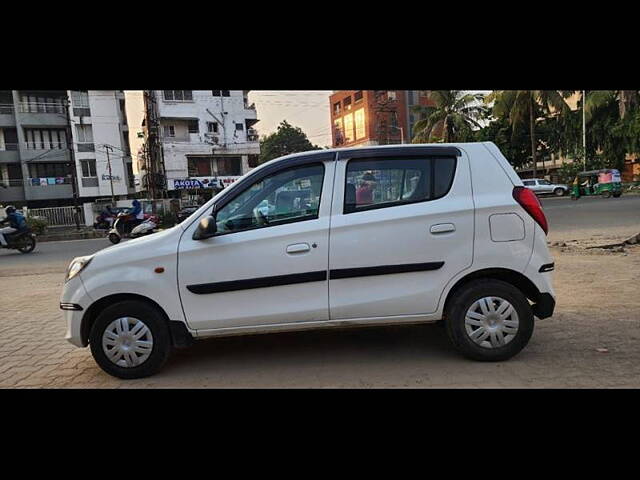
584, 128
113, 198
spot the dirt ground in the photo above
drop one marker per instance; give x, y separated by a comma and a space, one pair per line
591, 341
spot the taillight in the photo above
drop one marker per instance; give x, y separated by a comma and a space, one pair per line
528, 200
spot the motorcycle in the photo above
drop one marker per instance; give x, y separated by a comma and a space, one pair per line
24, 242
122, 227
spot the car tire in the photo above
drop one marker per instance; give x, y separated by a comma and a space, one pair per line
559, 192
116, 349
515, 331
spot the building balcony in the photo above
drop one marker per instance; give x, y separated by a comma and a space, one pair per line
7, 115
42, 114
47, 192
9, 153
11, 191
59, 153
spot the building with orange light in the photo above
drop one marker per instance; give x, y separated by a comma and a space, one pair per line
373, 117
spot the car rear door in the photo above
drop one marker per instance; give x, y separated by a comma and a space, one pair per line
402, 226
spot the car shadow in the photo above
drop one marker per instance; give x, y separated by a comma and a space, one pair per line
395, 343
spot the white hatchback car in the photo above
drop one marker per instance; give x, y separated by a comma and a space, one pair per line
332, 238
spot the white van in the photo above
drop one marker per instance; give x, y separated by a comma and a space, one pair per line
332, 238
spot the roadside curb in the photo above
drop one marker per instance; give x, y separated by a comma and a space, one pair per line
69, 236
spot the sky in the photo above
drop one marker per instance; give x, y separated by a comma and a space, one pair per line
307, 109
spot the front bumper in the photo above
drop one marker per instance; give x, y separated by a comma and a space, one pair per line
74, 293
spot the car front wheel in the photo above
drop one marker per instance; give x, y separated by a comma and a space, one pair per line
489, 320
130, 339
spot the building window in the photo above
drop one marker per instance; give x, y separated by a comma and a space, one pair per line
178, 95
193, 127
391, 95
169, 131
337, 108
347, 103
45, 139
339, 135
348, 128
84, 133
229, 166
88, 168
199, 166
357, 97
212, 127
360, 123
239, 127
224, 93
49, 170
215, 93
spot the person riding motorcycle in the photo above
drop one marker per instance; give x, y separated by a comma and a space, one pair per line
17, 223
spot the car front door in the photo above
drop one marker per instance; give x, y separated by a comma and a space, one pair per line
402, 226
267, 263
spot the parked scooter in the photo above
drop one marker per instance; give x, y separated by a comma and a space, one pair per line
122, 227
24, 241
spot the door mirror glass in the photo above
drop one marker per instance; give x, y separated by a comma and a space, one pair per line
206, 228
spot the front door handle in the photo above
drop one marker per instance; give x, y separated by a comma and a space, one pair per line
298, 248
443, 228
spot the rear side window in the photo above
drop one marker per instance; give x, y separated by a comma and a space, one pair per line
382, 183
529, 183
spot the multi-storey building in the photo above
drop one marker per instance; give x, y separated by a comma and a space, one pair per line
36, 133
207, 137
373, 117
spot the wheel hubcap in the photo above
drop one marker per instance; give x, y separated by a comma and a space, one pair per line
491, 322
127, 342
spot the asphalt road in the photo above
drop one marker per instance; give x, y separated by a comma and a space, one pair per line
592, 216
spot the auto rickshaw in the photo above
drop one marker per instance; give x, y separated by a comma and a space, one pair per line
605, 182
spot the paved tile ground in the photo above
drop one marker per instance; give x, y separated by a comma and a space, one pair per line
598, 307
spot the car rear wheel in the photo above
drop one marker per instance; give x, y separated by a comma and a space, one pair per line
489, 320
559, 192
130, 339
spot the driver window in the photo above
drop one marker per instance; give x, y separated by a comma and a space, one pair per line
288, 196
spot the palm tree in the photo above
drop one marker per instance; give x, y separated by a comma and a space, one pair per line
452, 116
626, 100
518, 105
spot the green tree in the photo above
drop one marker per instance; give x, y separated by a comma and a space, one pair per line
286, 140
520, 106
453, 117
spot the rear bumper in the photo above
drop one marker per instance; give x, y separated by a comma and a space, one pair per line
545, 306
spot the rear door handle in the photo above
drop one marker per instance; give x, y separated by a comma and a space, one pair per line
443, 228
298, 248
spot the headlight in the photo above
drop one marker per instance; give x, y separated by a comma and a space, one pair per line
76, 266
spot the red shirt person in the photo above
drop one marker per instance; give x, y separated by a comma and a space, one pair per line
364, 193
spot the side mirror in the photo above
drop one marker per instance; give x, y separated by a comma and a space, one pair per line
206, 228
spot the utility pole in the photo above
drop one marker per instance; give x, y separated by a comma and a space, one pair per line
584, 128
74, 179
113, 198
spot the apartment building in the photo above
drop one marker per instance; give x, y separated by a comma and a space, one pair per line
35, 160
208, 139
374, 117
